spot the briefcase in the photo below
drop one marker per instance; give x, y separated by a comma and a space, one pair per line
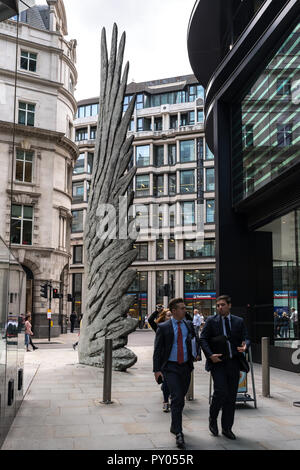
219, 345
244, 365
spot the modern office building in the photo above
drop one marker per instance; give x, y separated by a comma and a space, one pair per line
174, 189
37, 153
251, 53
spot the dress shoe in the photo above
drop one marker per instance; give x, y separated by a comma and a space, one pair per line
229, 434
213, 427
180, 440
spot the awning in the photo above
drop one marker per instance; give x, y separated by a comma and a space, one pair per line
9, 8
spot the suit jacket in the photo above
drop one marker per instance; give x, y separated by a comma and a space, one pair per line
214, 327
164, 339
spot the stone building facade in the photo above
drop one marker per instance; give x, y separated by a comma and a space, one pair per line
37, 153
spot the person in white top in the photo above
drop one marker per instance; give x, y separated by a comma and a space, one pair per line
197, 321
294, 318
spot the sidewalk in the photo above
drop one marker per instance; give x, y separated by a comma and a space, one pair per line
62, 409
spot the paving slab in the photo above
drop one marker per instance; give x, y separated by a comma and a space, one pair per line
62, 407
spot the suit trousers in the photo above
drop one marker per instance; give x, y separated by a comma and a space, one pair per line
226, 381
177, 377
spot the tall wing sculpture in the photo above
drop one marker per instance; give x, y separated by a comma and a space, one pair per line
108, 252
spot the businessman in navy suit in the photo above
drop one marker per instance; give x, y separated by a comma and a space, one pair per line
173, 361
224, 367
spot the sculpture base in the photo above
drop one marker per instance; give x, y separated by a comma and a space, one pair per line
122, 359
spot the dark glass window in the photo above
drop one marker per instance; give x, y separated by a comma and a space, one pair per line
187, 181
171, 248
81, 134
199, 248
142, 185
142, 155
187, 213
172, 184
77, 291
142, 251
173, 121
160, 249
187, 151
158, 186
210, 179
172, 154
77, 221
158, 155
93, 132
78, 191
90, 159
158, 124
284, 135
77, 254
199, 280
79, 165
210, 211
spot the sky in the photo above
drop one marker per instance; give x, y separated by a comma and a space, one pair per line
156, 38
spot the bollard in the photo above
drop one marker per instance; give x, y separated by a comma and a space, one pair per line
265, 347
107, 372
190, 392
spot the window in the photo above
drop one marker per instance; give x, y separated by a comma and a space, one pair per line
142, 251
284, 135
283, 87
158, 155
77, 291
199, 280
187, 151
24, 161
77, 221
26, 113
28, 61
172, 184
199, 248
142, 155
142, 185
143, 124
200, 115
158, 186
187, 181
126, 102
247, 131
171, 248
79, 165
159, 281
210, 211
78, 191
187, 213
172, 154
81, 134
139, 103
158, 124
173, 121
77, 254
89, 110
209, 154
160, 249
90, 159
21, 224
93, 132
210, 179
141, 215
131, 126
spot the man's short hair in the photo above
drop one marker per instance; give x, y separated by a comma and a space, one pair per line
173, 303
227, 298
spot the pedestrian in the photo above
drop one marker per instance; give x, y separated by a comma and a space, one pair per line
276, 326
28, 333
151, 320
294, 318
73, 318
197, 321
163, 316
227, 333
173, 361
285, 325
146, 322
80, 324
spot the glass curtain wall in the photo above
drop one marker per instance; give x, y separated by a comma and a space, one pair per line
286, 277
265, 130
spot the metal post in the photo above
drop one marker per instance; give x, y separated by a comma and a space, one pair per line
50, 299
265, 347
190, 392
107, 372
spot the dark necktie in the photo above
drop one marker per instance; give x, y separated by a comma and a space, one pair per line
179, 344
228, 329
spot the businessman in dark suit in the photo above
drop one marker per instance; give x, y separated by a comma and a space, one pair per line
173, 361
225, 365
